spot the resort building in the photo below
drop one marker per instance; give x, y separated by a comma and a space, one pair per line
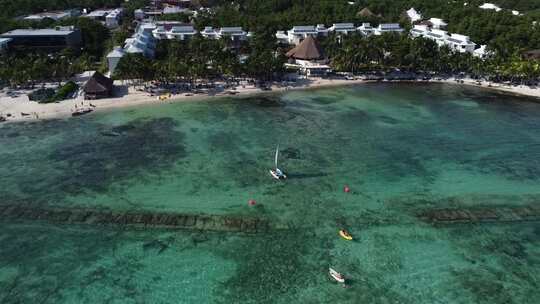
419, 31
482, 52
52, 39
308, 58
388, 28
98, 15
460, 43
139, 14
366, 29
456, 42
490, 6
55, 15
438, 23
4, 44
298, 33
112, 20
343, 28
113, 58
209, 32
173, 31
232, 33
413, 15
142, 42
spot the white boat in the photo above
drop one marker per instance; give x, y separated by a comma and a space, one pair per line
277, 173
336, 275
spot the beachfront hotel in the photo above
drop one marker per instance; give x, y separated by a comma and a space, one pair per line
456, 42
51, 39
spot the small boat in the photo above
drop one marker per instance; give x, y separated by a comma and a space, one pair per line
81, 111
344, 234
277, 173
336, 275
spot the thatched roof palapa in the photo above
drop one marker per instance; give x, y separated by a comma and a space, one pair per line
98, 84
308, 49
532, 55
365, 12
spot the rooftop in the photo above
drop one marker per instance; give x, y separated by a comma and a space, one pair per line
60, 31
304, 28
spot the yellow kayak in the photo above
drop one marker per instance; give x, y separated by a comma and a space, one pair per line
344, 234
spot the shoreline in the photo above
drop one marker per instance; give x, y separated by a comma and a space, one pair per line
35, 111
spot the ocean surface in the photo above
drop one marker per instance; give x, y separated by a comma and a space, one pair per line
409, 154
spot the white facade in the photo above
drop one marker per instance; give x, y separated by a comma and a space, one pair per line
142, 42
113, 58
139, 14
438, 23
456, 42
490, 6
366, 29
343, 28
388, 28
176, 32
209, 32
414, 15
4, 43
232, 33
299, 33
460, 43
112, 20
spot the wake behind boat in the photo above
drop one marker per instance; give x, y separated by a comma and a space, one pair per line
276, 172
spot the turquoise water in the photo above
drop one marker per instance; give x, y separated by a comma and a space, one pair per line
403, 150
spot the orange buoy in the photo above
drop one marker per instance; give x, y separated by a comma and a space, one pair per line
346, 189
252, 202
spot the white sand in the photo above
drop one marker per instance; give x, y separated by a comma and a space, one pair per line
21, 104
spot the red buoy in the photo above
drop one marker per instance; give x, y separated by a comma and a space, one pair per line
346, 189
252, 202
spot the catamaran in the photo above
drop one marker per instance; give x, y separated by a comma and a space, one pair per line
336, 275
276, 172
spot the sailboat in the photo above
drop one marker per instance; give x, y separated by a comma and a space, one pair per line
336, 275
276, 172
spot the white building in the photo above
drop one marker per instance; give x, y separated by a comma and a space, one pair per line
98, 15
413, 15
438, 23
232, 33
112, 20
113, 58
139, 14
298, 33
460, 43
490, 6
343, 28
456, 42
388, 28
55, 15
366, 29
419, 31
142, 42
482, 52
209, 32
4, 43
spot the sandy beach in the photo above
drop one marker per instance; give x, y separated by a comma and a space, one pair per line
20, 108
